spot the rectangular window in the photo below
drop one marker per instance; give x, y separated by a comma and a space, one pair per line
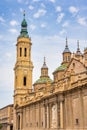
20, 52
77, 121
25, 52
24, 81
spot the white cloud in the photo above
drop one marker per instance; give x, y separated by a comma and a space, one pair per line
60, 17
73, 10
8, 55
65, 24
39, 13
32, 26
36, 0
63, 31
42, 5
43, 25
31, 7
27, 2
1, 19
82, 21
13, 23
13, 14
13, 30
58, 9
1, 37
21, 10
53, 1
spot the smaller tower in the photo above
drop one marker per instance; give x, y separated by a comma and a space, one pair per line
44, 78
44, 69
78, 53
66, 54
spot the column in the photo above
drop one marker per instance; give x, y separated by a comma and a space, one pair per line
44, 119
61, 114
47, 116
16, 121
21, 121
56, 115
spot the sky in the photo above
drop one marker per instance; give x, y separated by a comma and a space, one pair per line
49, 23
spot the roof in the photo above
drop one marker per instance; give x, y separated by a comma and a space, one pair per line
43, 80
60, 68
66, 50
9, 105
44, 66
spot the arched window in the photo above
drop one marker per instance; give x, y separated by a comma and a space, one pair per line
20, 51
24, 81
25, 52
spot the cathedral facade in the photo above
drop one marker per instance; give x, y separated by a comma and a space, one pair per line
58, 104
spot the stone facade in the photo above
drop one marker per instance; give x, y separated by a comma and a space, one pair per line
6, 117
58, 104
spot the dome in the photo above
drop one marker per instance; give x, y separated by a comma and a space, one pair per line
43, 80
61, 68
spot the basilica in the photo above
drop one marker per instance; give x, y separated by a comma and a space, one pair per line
58, 104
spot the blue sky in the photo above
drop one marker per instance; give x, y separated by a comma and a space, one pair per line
49, 22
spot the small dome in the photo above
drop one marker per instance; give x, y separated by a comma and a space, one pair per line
66, 50
24, 23
43, 80
44, 66
61, 68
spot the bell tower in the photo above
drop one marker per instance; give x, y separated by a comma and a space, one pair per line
24, 66
66, 54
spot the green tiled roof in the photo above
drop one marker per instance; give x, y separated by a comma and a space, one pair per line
62, 67
43, 80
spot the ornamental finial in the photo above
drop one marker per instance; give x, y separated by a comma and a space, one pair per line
44, 60
24, 13
78, 45
66, 42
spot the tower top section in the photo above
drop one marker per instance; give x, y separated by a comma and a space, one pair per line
66, 47
24, 32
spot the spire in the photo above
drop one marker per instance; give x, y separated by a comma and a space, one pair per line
44, 61
44, 64
66, 47
78, 52
78, 49
24, 32
24, 14
66, 43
